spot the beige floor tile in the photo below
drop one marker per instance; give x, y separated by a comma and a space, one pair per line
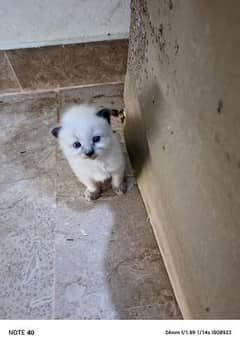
27, 208
74, 64
8, 80
61, 256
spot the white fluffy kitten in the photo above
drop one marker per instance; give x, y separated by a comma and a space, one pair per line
91, 148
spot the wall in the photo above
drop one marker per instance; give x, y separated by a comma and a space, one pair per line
28, 23
183, 134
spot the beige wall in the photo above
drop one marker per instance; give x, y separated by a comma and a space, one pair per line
33, 23
182, 97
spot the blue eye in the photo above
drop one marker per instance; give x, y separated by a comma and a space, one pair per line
77, 144
96, 139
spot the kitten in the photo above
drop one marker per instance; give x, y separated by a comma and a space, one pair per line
92, 149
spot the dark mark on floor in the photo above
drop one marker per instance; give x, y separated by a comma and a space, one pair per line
161, 29
228, 157
98, 96
176, 47
220, 106
216, 138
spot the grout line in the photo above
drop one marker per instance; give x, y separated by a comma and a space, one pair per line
54, 233
58, 111
58, 89
13, 71
54, 250
89, 85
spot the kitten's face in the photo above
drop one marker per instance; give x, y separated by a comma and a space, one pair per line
84, 134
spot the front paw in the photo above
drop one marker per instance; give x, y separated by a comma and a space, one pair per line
91, 195
122, 189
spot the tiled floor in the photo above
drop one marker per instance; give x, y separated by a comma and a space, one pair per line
63, 66
8, 80
61, 257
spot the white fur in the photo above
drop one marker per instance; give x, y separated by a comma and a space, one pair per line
80, 123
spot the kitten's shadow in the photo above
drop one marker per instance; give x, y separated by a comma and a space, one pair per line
123, 264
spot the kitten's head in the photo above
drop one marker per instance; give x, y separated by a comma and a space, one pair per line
84, 132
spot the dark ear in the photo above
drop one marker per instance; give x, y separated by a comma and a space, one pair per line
105, 113
55, 131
